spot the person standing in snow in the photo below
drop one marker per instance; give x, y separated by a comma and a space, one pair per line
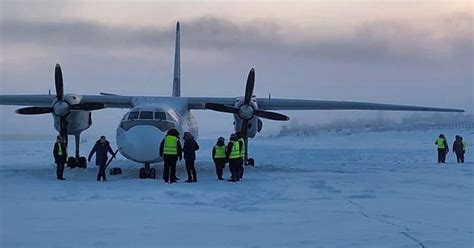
442, 145
240, 168
233, 155
60, 157
459, 148
189, 149
170, 151
101, 148
219, 157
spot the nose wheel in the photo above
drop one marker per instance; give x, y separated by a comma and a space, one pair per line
147, 172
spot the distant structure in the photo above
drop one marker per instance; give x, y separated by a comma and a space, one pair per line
437, 121
380, 123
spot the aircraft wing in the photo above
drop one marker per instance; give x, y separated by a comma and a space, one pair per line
109, 101
296, 104
299, 104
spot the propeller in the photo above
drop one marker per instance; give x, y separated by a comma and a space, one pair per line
61, 107
246, 111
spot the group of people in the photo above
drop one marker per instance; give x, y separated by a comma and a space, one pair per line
101, 149
171, 151
232, 153
459, 148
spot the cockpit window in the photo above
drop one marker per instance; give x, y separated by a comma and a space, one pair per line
146, 115
160, 116
133, 115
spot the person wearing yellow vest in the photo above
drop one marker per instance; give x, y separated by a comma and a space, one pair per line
60, 157
240, 168
233, 155
459, 148
442, 145
170, 151
219, 157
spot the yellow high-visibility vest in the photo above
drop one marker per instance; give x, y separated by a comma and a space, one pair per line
171, 145
242, 154
440, 143
235, 153
60, 150
220, 151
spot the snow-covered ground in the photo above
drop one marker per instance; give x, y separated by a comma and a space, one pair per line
359, 190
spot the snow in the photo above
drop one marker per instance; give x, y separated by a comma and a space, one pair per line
374, 189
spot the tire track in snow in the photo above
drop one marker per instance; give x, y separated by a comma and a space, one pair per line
404, 233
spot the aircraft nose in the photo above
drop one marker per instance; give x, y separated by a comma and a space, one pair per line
142, 143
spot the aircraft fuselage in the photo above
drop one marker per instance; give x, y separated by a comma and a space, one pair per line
143, 127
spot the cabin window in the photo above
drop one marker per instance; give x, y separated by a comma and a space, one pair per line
160, 115
133, 115
146, 115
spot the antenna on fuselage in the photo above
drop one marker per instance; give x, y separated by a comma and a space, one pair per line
177, 65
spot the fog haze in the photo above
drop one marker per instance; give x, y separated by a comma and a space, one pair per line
417, 52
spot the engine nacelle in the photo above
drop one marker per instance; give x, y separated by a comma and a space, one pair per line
77, 121
253, 123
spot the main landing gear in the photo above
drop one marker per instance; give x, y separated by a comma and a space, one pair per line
147, 172
77, 161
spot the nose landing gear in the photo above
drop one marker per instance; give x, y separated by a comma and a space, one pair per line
147, 172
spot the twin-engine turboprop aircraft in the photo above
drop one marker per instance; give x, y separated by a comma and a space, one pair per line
142, 128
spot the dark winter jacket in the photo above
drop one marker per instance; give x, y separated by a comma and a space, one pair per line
57, 157
101, 152
189, 149
458, 146
179, 148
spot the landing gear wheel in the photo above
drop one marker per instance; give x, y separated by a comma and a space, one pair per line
82, 162
250, 162
142, 175
152, 173
71, 162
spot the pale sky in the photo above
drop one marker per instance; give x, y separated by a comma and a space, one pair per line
401, 52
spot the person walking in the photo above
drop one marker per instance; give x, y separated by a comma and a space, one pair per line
60, 157
100, 149
219, 157
189, 149
233, 155
459, 148
170, 151
442, 145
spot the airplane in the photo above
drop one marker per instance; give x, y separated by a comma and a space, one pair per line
145, 124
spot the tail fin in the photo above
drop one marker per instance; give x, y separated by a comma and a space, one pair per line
177, 66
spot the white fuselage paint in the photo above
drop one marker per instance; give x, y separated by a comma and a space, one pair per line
138, 139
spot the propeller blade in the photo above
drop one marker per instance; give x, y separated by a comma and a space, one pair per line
271, 115
58, 82
34, 110
87, 106
221, 108
249, 86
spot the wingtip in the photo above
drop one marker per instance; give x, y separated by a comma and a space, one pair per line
177, 26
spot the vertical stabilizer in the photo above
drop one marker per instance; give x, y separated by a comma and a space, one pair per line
177, 65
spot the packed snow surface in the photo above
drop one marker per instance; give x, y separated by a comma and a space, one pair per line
333, 190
